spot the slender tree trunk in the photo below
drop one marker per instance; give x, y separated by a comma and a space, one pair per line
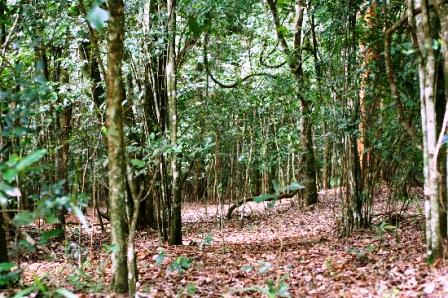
63, 159
294, 58
442, 11
427, 68
3, 239
175, 236
116, 147
309, 159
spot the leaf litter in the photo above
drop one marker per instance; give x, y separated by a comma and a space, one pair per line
288, 248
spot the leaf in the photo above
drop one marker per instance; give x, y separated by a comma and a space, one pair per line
47, 235
247, 268
264, 267
4, 267
283, 30
276, 186
97, 17
138, 163
25, 292
192, 289
194, 27
30, 159
9, 190
80, 216
23, 218
10, 175
208, 239
180, 265
66, 293
160, 257
264, 197
3, 199
294, 186
110, 248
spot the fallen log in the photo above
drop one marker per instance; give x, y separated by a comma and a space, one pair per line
281, 196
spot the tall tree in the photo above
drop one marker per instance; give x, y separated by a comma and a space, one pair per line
116, 146
175, 236
295, 61
3, 241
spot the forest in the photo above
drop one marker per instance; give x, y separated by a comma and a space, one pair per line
223, 148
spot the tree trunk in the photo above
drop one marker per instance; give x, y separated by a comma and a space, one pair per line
175, 236
3, 239
63, 159
426, 72
309, 159
116, 147
442, 11
294, 58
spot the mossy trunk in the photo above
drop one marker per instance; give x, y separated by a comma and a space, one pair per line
116, 147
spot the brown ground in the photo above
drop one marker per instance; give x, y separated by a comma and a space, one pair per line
300, 244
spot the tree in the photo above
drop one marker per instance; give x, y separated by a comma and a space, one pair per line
176, 216
116, 147
294, 59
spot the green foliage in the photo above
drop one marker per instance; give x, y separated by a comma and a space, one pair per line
294, 186
160, 257
383, 228
180, 265
10, 170
41, 289
273, 289
138, 163
190, 290
81, 280
8, 276
208, 240
98, 17
361, 254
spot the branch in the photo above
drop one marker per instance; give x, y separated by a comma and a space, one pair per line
262, 63
391, 77
230, 85
94, 38
300, 8
281, 38
9, 38
182, 54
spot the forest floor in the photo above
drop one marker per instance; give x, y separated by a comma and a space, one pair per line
286, 248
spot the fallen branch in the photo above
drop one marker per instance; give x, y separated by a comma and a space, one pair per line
282, 196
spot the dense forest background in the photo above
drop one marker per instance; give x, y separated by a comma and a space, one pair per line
118, 115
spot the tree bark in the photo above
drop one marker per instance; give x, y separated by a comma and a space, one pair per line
294, 58
442, 11
427, 68
116, 147
175, 236
3, 239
